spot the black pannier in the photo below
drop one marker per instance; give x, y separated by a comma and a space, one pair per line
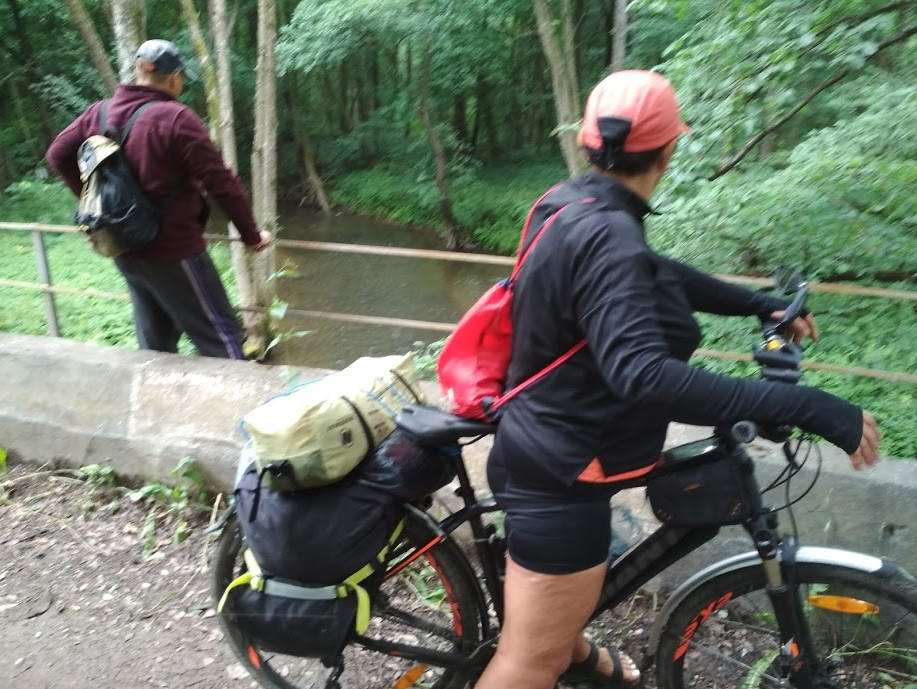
316, 557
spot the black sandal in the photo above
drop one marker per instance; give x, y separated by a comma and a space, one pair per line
586, 671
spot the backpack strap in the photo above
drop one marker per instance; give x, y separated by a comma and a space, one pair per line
528, 218
132, 120
103, 117
575, 349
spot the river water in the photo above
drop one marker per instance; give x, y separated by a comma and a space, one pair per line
420, 289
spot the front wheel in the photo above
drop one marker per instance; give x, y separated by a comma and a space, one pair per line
724, 634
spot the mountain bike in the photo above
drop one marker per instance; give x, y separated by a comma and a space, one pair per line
781, 615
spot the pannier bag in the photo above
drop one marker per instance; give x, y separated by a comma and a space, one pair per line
314, 560
473, 364
112, 210
715, 489
318, 432
407, 470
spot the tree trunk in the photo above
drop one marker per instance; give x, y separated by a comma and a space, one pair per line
127, 36
304, 152
27, 59
460, 118
561, 58
485, 115
453, 229
87, 30
255, 323
208, 72
619, 46
264, 151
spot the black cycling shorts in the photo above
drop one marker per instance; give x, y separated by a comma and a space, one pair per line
551, 528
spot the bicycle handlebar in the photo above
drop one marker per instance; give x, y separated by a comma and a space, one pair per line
780, 359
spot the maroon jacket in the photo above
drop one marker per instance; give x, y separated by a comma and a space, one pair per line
174, 161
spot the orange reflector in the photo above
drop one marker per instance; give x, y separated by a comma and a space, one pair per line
851, 606
409, 678
253, 657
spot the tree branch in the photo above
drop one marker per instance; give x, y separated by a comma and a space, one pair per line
787, 116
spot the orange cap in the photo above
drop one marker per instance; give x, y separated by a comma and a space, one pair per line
645, 100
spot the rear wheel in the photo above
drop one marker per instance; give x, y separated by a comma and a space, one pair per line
427, 600
724, 634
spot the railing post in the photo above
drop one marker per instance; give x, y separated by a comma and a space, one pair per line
44, 274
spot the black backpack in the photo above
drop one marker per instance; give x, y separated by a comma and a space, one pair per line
113, 211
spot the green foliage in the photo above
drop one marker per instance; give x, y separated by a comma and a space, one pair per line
98, 476
73, 264
187, 496
843, 204
426, 356
492, 203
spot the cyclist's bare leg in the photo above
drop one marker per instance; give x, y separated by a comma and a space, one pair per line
544, 617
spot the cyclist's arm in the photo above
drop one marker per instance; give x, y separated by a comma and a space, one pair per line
203, 162
712, 295
615, 305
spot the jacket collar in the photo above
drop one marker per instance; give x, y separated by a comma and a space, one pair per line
130, 92
615, 194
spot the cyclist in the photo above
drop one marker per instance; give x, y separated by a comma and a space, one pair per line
598, 422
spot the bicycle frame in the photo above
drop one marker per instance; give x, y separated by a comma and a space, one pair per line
626, 574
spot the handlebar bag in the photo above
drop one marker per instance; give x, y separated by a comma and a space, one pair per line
717, 490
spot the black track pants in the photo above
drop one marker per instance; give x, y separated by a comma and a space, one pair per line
172, 297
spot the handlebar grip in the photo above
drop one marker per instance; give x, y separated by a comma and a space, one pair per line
744, 432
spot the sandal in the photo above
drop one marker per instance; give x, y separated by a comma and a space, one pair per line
586, 671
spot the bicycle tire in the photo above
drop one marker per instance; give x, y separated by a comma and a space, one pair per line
444, 558
709, 602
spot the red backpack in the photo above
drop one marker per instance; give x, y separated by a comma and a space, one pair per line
473, 365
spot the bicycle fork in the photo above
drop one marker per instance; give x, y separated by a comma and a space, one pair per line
798, 659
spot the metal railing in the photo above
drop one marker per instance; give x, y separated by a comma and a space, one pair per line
49, 290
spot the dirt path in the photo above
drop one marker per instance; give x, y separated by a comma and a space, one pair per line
82, 606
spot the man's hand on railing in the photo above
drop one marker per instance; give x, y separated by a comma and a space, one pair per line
266, 239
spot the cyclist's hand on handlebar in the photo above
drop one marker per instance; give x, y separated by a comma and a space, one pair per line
802, 327
868, 452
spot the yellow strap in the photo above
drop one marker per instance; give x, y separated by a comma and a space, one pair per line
250, 563
241, 581
352, 583
252, 577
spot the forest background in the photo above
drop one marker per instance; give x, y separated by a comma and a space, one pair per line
455, 115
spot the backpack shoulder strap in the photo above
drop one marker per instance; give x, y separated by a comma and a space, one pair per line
132, 120
541, 232
103, 117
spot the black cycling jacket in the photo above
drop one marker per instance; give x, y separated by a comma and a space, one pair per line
604, 413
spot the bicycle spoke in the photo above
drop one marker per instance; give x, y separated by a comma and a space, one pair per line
732, 661
395, 614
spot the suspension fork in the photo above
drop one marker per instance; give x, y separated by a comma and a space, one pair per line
798, 659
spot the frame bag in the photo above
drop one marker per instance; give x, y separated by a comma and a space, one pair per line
713, 489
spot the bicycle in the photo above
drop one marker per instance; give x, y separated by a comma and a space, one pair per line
783, 614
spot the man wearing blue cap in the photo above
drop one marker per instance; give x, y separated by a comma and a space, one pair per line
173, 284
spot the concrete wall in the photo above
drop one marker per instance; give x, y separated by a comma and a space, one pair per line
141, 412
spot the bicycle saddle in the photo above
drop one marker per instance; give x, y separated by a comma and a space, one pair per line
433, 426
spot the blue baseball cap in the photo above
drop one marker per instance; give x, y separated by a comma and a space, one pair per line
164, 56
